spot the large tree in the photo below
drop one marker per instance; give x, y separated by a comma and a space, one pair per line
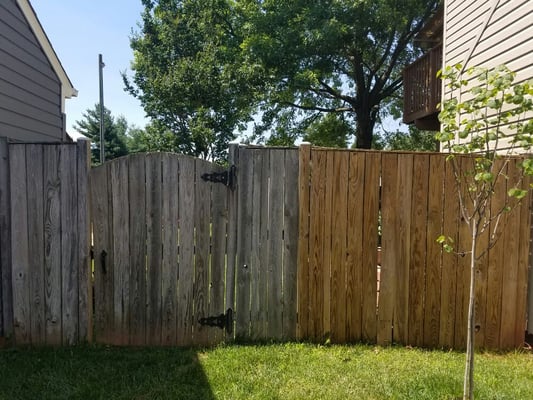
205, 68
114, 133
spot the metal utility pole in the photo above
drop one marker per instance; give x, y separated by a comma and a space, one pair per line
101, 66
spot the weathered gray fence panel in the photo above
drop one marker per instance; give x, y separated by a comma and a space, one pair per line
40, 262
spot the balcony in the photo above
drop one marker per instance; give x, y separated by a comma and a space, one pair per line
422, 90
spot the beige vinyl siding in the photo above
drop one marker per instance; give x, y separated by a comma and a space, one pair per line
30, 90
473, 39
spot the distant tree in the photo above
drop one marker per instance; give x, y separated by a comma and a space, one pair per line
152, 138
330, 130
412, 140
114, 133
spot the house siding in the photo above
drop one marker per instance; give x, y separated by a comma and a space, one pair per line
507, 38
30, 90
488, 34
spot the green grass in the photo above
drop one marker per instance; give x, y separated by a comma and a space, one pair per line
285, 371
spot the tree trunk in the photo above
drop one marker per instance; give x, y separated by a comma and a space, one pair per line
468, 384
364, 130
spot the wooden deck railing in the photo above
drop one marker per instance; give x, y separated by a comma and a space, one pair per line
422, 88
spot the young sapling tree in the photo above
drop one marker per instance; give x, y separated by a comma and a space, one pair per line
485, 124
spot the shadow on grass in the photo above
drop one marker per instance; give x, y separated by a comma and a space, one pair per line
96, 372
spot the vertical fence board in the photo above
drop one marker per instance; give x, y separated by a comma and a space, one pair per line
19, 246
85, 284
69, 245
275, 240
154, 250
316, 245
34, 176
259, 252
463, 246
6, 295
354, 246
233, 203
511, 267
290, 245
405, 183
202, 223
121, 255
434, 251
219, 214
338, 259
389, 241
523, 265
137, 224
101, 236
304, 170
449, 261
370, 237
52, 243
244, 229
417, 262
186, 252
326, 263
169, 273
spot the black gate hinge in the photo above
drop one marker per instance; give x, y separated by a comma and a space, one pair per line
226, 177
223, 321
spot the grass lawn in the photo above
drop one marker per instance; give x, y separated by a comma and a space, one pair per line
285, 371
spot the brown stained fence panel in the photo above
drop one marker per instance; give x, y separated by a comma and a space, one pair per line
423, 291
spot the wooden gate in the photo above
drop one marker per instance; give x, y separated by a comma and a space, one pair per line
159, 247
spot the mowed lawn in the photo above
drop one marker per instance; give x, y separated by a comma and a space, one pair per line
276, 371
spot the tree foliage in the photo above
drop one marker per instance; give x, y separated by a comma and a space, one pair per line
412, 140
203, 69
114, 133
491, 125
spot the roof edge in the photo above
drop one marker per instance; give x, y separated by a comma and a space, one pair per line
67, 89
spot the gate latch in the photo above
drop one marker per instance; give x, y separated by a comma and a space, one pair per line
226, 177
223, 321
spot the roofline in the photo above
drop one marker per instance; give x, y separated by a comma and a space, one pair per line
67, 89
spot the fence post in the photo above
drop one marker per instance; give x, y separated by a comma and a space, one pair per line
6, 295
85, 312
233, 159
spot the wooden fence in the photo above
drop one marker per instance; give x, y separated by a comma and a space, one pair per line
423, 291
290, 246
44, 237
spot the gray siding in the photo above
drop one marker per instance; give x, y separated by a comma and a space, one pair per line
30, 91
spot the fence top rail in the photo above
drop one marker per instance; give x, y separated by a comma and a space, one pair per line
444, 154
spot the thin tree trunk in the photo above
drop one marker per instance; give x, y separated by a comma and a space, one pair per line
468, 384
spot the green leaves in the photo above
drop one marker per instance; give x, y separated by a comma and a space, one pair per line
446, 243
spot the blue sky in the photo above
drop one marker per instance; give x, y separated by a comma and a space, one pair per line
80, 30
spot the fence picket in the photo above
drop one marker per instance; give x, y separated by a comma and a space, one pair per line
434, 251
52, 244
34, 155
137, 224
202, 224
417, 262
389, 243
19, 247
169, 267
290, 247
69, 244
186, 252
154, 249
